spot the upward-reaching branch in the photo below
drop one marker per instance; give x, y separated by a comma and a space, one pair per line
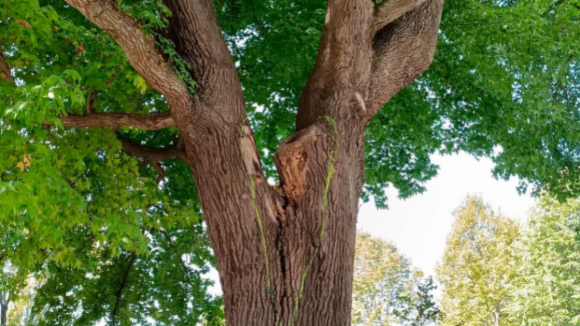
403, 50
138, 47
342, 68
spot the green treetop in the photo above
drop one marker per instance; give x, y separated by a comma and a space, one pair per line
477, 267
545, 291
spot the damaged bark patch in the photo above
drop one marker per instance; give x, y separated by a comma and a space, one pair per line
292, 163
250, 153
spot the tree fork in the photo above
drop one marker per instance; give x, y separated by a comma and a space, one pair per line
285, 255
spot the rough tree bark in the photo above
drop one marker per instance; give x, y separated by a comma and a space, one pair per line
4, 302
285, 254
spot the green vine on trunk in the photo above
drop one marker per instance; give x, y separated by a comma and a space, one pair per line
153, 16
269, 289
331, 163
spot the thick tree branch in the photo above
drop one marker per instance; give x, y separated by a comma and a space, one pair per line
198, 38
388, 11
5, 70
342, 68
139, 48
403, 50
152, 154
119, 292
153, 121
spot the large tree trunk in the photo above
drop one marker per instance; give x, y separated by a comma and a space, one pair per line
285, 254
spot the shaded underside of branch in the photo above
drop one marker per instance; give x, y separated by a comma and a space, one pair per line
152, 154
388, 11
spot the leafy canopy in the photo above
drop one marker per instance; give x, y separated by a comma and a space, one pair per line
545, 290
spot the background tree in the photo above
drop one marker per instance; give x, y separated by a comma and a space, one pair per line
11, 283
19, 313
477, 267
545, 290
427, 310
108, 109
4, 304
387, 289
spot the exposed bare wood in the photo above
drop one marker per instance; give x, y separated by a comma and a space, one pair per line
152, 121
403, 50
388, 11
292, 161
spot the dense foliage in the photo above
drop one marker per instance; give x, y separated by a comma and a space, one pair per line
546, 290
493, 275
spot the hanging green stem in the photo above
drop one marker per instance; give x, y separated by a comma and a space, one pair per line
260, 226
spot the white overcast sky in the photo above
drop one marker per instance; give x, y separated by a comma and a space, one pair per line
419, 226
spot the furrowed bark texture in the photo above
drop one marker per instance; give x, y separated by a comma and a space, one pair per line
4, 302
285, 254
